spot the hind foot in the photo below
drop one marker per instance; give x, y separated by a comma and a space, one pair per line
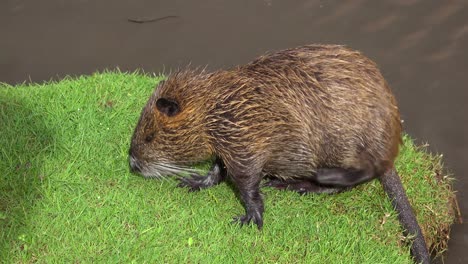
301, 186
344, 177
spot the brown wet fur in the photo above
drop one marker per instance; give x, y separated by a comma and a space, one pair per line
320, 114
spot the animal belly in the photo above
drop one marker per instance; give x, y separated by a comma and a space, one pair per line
289, 171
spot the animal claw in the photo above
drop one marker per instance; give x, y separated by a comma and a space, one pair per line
248, 219
191, 183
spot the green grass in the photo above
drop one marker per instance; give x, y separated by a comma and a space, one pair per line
66, 194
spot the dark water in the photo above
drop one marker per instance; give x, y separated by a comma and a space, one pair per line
421, 47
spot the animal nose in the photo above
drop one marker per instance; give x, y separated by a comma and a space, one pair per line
134, 165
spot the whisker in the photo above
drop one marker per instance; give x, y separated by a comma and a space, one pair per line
161, 170
180, 168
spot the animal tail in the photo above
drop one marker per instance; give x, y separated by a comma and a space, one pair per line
395, 191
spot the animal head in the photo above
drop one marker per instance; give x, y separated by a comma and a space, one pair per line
170, 134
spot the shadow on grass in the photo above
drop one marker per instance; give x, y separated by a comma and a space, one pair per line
25, 144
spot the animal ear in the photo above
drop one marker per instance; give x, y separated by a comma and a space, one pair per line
167, 106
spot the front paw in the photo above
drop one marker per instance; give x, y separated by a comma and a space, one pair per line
194, 183
255, 218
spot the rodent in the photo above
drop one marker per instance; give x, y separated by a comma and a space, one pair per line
316, 118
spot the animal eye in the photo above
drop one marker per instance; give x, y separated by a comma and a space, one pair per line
149, 137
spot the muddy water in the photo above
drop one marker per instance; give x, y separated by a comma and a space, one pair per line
421, 47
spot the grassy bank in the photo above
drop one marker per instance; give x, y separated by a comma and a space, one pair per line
66, 193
